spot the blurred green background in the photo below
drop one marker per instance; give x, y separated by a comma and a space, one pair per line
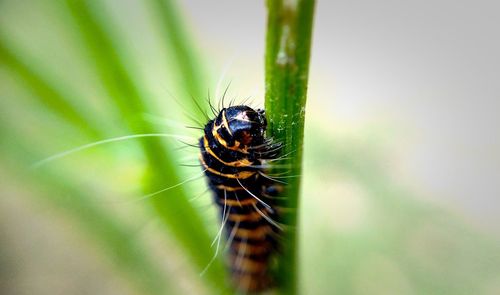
385, 208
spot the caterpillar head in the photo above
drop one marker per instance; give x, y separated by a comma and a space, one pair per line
245, 124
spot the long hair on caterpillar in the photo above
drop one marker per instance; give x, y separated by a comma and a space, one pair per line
234, 156
233, 153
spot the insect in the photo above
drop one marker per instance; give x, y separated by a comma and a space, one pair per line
233, 151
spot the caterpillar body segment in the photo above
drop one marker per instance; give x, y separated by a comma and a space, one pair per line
232, 151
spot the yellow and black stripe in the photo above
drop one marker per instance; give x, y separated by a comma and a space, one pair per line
232, 149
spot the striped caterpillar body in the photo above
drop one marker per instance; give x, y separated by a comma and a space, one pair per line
233, 150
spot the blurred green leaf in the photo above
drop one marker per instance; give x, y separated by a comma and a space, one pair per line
172, 206
128, 254
400, 244
50, 94
190, 70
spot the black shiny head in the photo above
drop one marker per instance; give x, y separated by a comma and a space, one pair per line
245, 124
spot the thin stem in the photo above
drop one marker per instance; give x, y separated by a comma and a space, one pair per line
287, 66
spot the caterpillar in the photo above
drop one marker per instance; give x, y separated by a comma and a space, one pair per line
233, 151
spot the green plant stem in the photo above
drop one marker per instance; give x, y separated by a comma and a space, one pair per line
288, 46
